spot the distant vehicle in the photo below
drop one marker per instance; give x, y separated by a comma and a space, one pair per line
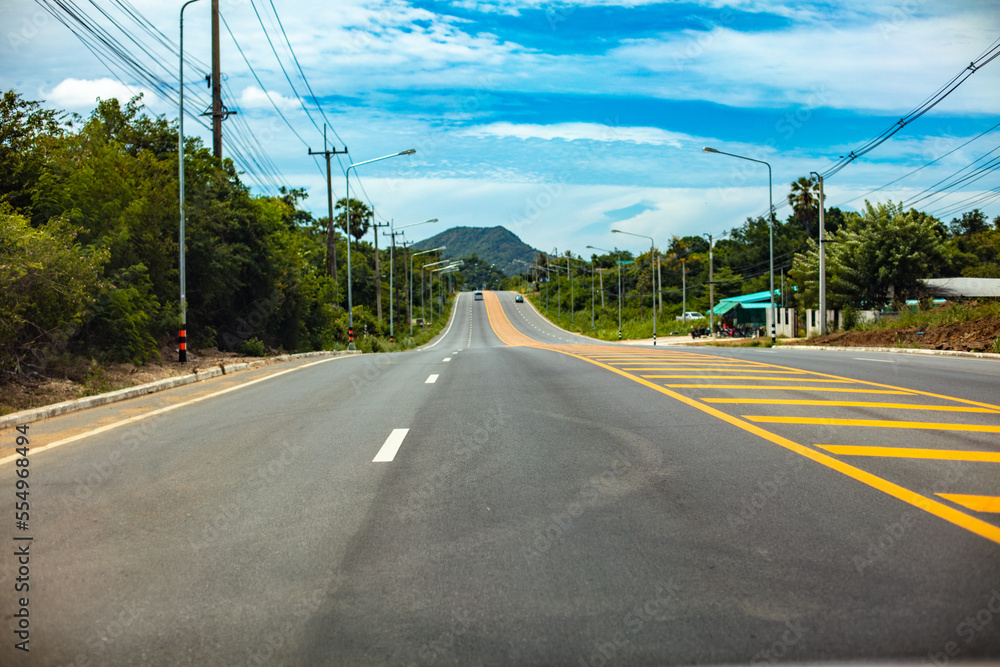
518, 299
689, 316
479, 295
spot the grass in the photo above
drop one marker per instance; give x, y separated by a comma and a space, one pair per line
403, 339
947, 314
745, 342
634, 326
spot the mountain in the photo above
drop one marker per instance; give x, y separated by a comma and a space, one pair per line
495, 245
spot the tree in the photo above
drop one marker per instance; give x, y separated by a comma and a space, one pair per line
47, 280
972, 222
879, 256
804, 200
24, 131
361, 218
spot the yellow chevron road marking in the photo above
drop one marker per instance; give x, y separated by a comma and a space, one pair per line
974, 503
876, 423
908, 453
849, 404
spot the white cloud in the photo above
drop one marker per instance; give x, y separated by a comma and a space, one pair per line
253, 97
882, 65
82, 94
580, 131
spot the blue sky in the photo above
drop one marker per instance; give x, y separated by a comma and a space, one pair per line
561, 120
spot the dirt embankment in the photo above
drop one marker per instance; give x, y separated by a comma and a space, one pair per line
979, 335
83, 378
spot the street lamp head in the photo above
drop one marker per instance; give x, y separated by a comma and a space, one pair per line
616, 231
408, 151
709, 150
433, 220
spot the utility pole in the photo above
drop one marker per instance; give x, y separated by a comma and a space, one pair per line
331, 229
392, 272
822, 258
216, 85
378, 270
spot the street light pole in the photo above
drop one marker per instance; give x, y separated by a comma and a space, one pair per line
711, 290
410, 311
652, 273
770, 226
347, 201
182, 333
452, 266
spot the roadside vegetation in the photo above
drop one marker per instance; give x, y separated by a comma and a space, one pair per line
876, 260
89, 252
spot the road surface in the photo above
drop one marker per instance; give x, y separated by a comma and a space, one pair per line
514, 494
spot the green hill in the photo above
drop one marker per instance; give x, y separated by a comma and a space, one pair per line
495, 245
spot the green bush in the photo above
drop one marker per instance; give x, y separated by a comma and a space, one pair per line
122, 319
252, 347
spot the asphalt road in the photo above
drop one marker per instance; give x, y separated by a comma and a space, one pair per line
513, 494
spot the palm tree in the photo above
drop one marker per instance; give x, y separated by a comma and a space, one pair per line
803, 199
361, 218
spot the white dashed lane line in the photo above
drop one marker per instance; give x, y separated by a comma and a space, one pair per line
446, 359
431, 379
391, 446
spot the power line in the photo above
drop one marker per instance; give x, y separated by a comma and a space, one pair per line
937, 159
264, 90
302, 74
933, 100
978, 173
123, 63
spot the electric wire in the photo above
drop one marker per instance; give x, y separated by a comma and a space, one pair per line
929, 103
267, 94
124, 63
937, 159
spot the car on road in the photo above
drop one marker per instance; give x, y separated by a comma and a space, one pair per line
479, 295
518, 298
689, 316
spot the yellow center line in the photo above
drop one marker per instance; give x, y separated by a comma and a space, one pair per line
784, 388
908, 453
876, 423
974, 503
929, 505
849, 404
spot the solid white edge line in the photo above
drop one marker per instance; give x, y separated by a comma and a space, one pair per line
444, 334
391, 445
431, 379
108, 427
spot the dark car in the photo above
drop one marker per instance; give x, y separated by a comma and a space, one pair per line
518, 298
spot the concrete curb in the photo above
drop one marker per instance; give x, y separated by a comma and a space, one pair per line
896, 350
45, 412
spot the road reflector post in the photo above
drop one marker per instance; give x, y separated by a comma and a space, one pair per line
182, 345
